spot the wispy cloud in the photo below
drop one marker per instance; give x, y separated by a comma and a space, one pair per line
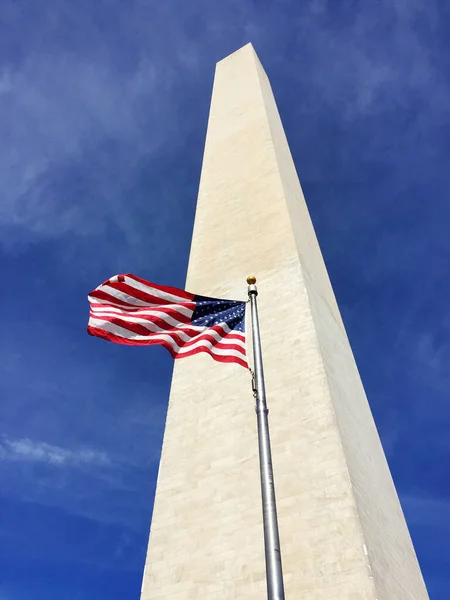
29, 451
56, 112
70, 118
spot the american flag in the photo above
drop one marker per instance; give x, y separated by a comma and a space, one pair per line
128, 310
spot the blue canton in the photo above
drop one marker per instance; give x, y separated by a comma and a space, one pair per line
210, 311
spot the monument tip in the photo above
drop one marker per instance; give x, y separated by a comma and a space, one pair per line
242, 50
251, 280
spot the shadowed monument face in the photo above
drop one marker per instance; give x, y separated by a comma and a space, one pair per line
343, 534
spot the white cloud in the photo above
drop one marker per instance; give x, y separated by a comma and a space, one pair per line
29, 451
77, 131
54, 110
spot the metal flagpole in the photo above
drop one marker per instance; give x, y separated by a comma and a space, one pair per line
274, 571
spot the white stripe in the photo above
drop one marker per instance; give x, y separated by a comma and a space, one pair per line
108, 302
220, 338
97, 302
152, 327
97, 315
151, 312
173, 322
203, 332
143, 288
125, 333
125, 297
213, 348
154, 291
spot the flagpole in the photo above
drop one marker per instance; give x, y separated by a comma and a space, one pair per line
274, 571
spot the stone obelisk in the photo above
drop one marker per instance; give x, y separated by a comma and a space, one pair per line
343, 533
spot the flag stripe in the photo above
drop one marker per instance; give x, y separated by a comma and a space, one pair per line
181, 310
111, 337
165, 290
119, 291
159, 317
147, 320
169, 339
154, 294
182, 337
133, 295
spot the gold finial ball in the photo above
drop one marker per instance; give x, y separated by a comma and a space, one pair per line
251, 280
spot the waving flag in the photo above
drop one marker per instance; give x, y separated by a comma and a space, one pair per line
128, 310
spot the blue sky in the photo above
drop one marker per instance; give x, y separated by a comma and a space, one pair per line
103, 113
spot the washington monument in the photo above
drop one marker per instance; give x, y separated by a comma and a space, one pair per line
342, 530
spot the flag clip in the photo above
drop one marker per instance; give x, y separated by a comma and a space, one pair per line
254, 388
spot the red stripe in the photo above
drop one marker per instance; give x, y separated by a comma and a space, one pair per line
195, 335
220, 358
108, 299
97, 332
230, 335
133, 327
166, 326
171, 309
164, 288
121, 322
138, 294
157, 320
234, 336
206, 335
